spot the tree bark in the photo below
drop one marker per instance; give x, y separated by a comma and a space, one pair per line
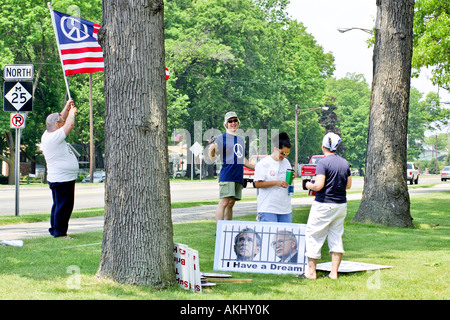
138, 236
385, 198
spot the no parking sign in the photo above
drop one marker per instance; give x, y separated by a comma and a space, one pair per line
18, 97
17, 120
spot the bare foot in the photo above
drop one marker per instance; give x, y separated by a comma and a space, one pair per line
304, 276
333, 276
311, 276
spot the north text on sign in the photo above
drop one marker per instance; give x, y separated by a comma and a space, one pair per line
18, 71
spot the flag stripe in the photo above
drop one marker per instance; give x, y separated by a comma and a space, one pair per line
75, 57
85, 44
81, 60
83, 70
84, 65
82, 50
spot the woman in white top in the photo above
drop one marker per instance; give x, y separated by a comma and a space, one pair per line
273, 200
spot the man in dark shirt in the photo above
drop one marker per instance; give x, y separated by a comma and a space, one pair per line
326, 218
230, 146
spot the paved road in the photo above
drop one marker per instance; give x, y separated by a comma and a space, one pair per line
31, 230
34, 199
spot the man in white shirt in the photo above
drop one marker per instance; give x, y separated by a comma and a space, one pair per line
273, 199
62, 166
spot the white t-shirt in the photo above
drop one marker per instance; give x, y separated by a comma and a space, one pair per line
274, 199
62, 164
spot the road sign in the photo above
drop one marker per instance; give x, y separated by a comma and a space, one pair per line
196, 148
18, 96
17, 121
18, 72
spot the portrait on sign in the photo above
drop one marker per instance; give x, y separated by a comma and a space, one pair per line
262, 247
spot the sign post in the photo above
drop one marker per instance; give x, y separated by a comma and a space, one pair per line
18, 97
17, 170
18, 123
196, 150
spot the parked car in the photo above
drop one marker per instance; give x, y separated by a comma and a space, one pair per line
308, 171
412, 174
182, 173
99, 176
248, 173
445, 173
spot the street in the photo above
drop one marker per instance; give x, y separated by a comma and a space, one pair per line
35, 199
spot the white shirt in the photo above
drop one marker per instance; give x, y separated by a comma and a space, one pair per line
62, 164
274, 199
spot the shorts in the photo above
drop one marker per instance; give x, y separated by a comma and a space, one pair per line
228, 189
325, 220
274, 217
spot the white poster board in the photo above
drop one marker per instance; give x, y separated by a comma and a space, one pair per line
260, 247
351, 266
187, 267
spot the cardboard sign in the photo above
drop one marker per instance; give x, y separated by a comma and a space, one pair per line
187, 267
351, 266
260, 247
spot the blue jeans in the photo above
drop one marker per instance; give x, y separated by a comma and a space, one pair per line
274, 217
63, 194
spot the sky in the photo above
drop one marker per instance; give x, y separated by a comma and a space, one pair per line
322, 18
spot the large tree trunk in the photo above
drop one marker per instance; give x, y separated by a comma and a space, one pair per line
385, 197
138, 235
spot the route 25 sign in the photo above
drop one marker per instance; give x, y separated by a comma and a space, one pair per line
18, 96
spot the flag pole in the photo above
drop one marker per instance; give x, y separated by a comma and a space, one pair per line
91, 133
59, 50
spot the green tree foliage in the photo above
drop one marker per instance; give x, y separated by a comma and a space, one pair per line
350, 99
351, 96
223, 55
27, 36
432, 39
234, 55
242, 55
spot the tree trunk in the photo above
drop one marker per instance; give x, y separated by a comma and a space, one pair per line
385, 198
138, 236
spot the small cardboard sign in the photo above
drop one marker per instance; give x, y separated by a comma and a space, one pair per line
187, 267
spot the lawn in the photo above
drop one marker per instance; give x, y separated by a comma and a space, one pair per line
63, 269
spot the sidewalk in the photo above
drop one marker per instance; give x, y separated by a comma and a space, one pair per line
79, 225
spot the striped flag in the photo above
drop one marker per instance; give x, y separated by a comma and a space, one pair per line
77, 43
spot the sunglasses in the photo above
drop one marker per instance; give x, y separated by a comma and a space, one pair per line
283, 153
234, 120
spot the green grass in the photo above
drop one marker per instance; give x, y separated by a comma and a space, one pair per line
42, 268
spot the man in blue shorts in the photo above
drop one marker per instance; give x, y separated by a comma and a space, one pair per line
328, 211
231, 149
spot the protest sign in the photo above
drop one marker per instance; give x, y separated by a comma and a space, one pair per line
260, 247
187, 267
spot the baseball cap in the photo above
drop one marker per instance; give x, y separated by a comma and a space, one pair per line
230, 115
331, 141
